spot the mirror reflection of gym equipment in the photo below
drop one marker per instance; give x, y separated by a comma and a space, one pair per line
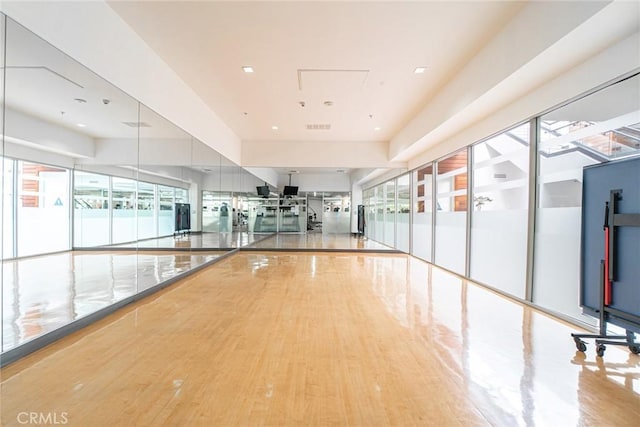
290, 211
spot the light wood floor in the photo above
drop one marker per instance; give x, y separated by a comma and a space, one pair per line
324, 339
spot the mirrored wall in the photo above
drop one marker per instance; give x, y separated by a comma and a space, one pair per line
102, 197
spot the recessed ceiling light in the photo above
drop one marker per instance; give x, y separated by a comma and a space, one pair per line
247, 69
274, 127
81, 125
420, 70
376, 128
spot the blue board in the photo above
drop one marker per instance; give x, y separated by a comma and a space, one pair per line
598, 181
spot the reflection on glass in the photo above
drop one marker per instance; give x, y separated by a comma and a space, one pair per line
451, 214
165, 160
369, 200
146, 210
217, 211
336, 213
43, 200
264, 214
500, 207
612, 133
8, 198
597, 128
423, 212
292, 214
378, 229
390, 213
403, 212
123, 210
85, 165
166, 203
91, 200
6, 201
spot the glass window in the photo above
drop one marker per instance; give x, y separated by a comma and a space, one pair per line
146, 211
403, 211
292, 214
336, 217
182, 195
390, 213
451, 214
597, 128
500, 211
370, 213
422, 212
43, 209
379, 215
165, 210
123, 210
8, 194
216, 211
90, 209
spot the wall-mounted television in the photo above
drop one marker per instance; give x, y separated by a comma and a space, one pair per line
183, 217
290, 191
263, 190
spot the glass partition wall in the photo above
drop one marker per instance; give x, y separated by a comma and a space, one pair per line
500, 209
91, 183
336, 212
403, 212
451, 212
486, 226
598, 128
422, 213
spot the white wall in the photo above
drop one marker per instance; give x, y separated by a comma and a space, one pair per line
317, 154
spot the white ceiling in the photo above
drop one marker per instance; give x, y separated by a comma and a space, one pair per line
360, 56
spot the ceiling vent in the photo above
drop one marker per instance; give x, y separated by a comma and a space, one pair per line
322, 126
137, 124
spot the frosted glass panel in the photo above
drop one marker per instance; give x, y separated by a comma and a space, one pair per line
403, 212
499, 250
378, 228
336, 213
390, 214
557, 262
451, 214
499, 220
43, 209
7, 208
450, 240
146, 211
597, 128
123, 210
166, 210
422, 190
91, 209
